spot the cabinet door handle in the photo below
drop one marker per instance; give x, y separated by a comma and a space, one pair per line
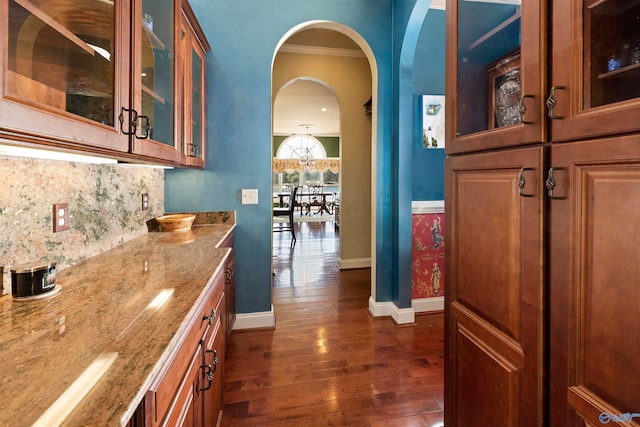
523, 109
211, 317
209, 370
192, 150
552, 101
228, 275
550, 183
214, 361
132, 121
208, 374
146, 127
522, 182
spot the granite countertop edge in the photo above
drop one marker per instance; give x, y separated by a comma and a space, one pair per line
103, 308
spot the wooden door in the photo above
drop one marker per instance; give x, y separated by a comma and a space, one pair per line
595, 68
594, 264
494, 317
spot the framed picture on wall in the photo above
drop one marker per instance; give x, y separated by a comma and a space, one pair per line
432, 121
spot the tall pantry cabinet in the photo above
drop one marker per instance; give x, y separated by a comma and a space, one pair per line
542, 202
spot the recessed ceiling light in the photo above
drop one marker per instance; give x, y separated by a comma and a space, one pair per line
323, 109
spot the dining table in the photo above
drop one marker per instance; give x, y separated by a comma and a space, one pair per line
322, 207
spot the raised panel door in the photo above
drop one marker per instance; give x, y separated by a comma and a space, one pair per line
494, 331
595, 69
594, 268
495, 89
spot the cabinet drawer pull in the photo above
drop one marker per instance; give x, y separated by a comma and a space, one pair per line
552, 101
211, 317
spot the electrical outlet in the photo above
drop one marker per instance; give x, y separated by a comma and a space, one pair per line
60, 217
145, 201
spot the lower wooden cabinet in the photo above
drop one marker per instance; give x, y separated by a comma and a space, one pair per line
542, 285
212, 375
230, 291
594, 264
494, 372
188, 392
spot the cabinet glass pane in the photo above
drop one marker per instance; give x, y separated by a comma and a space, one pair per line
61, 54
488, 74
157, 58
612, 51
196, 114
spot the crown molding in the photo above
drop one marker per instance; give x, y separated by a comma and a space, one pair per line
438, 4
319, 50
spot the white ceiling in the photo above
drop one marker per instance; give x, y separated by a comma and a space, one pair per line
305, 101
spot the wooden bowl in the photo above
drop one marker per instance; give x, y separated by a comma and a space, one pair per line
175, 222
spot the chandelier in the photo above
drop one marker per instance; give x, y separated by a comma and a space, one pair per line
306, 158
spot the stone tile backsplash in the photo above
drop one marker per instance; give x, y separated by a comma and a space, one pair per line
104, 209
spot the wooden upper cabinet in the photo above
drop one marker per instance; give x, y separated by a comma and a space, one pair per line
101, 77
193, 45
154, 76
63, 69
596, 69
496, 95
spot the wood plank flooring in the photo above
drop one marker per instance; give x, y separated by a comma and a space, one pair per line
328, 362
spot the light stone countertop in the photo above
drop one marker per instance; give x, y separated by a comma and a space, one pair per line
102, 309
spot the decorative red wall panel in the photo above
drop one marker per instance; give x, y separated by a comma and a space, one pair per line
428, 255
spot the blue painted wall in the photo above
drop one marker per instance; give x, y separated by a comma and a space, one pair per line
244, 35
429, 69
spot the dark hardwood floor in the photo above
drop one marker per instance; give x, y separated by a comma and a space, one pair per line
328, 362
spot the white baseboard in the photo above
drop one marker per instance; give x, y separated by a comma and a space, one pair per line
346, 264
401, 316
262, 319
425, 305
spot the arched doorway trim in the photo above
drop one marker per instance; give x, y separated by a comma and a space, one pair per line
359, 40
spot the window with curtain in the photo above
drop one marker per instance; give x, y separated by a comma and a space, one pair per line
302, 160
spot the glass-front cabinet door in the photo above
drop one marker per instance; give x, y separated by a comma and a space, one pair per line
595, 83
495, 50
153, 77
61, 68
193, 46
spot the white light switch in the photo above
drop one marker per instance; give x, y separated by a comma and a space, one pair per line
249, 196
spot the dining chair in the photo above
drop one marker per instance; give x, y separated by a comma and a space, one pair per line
287, 211
315, 199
